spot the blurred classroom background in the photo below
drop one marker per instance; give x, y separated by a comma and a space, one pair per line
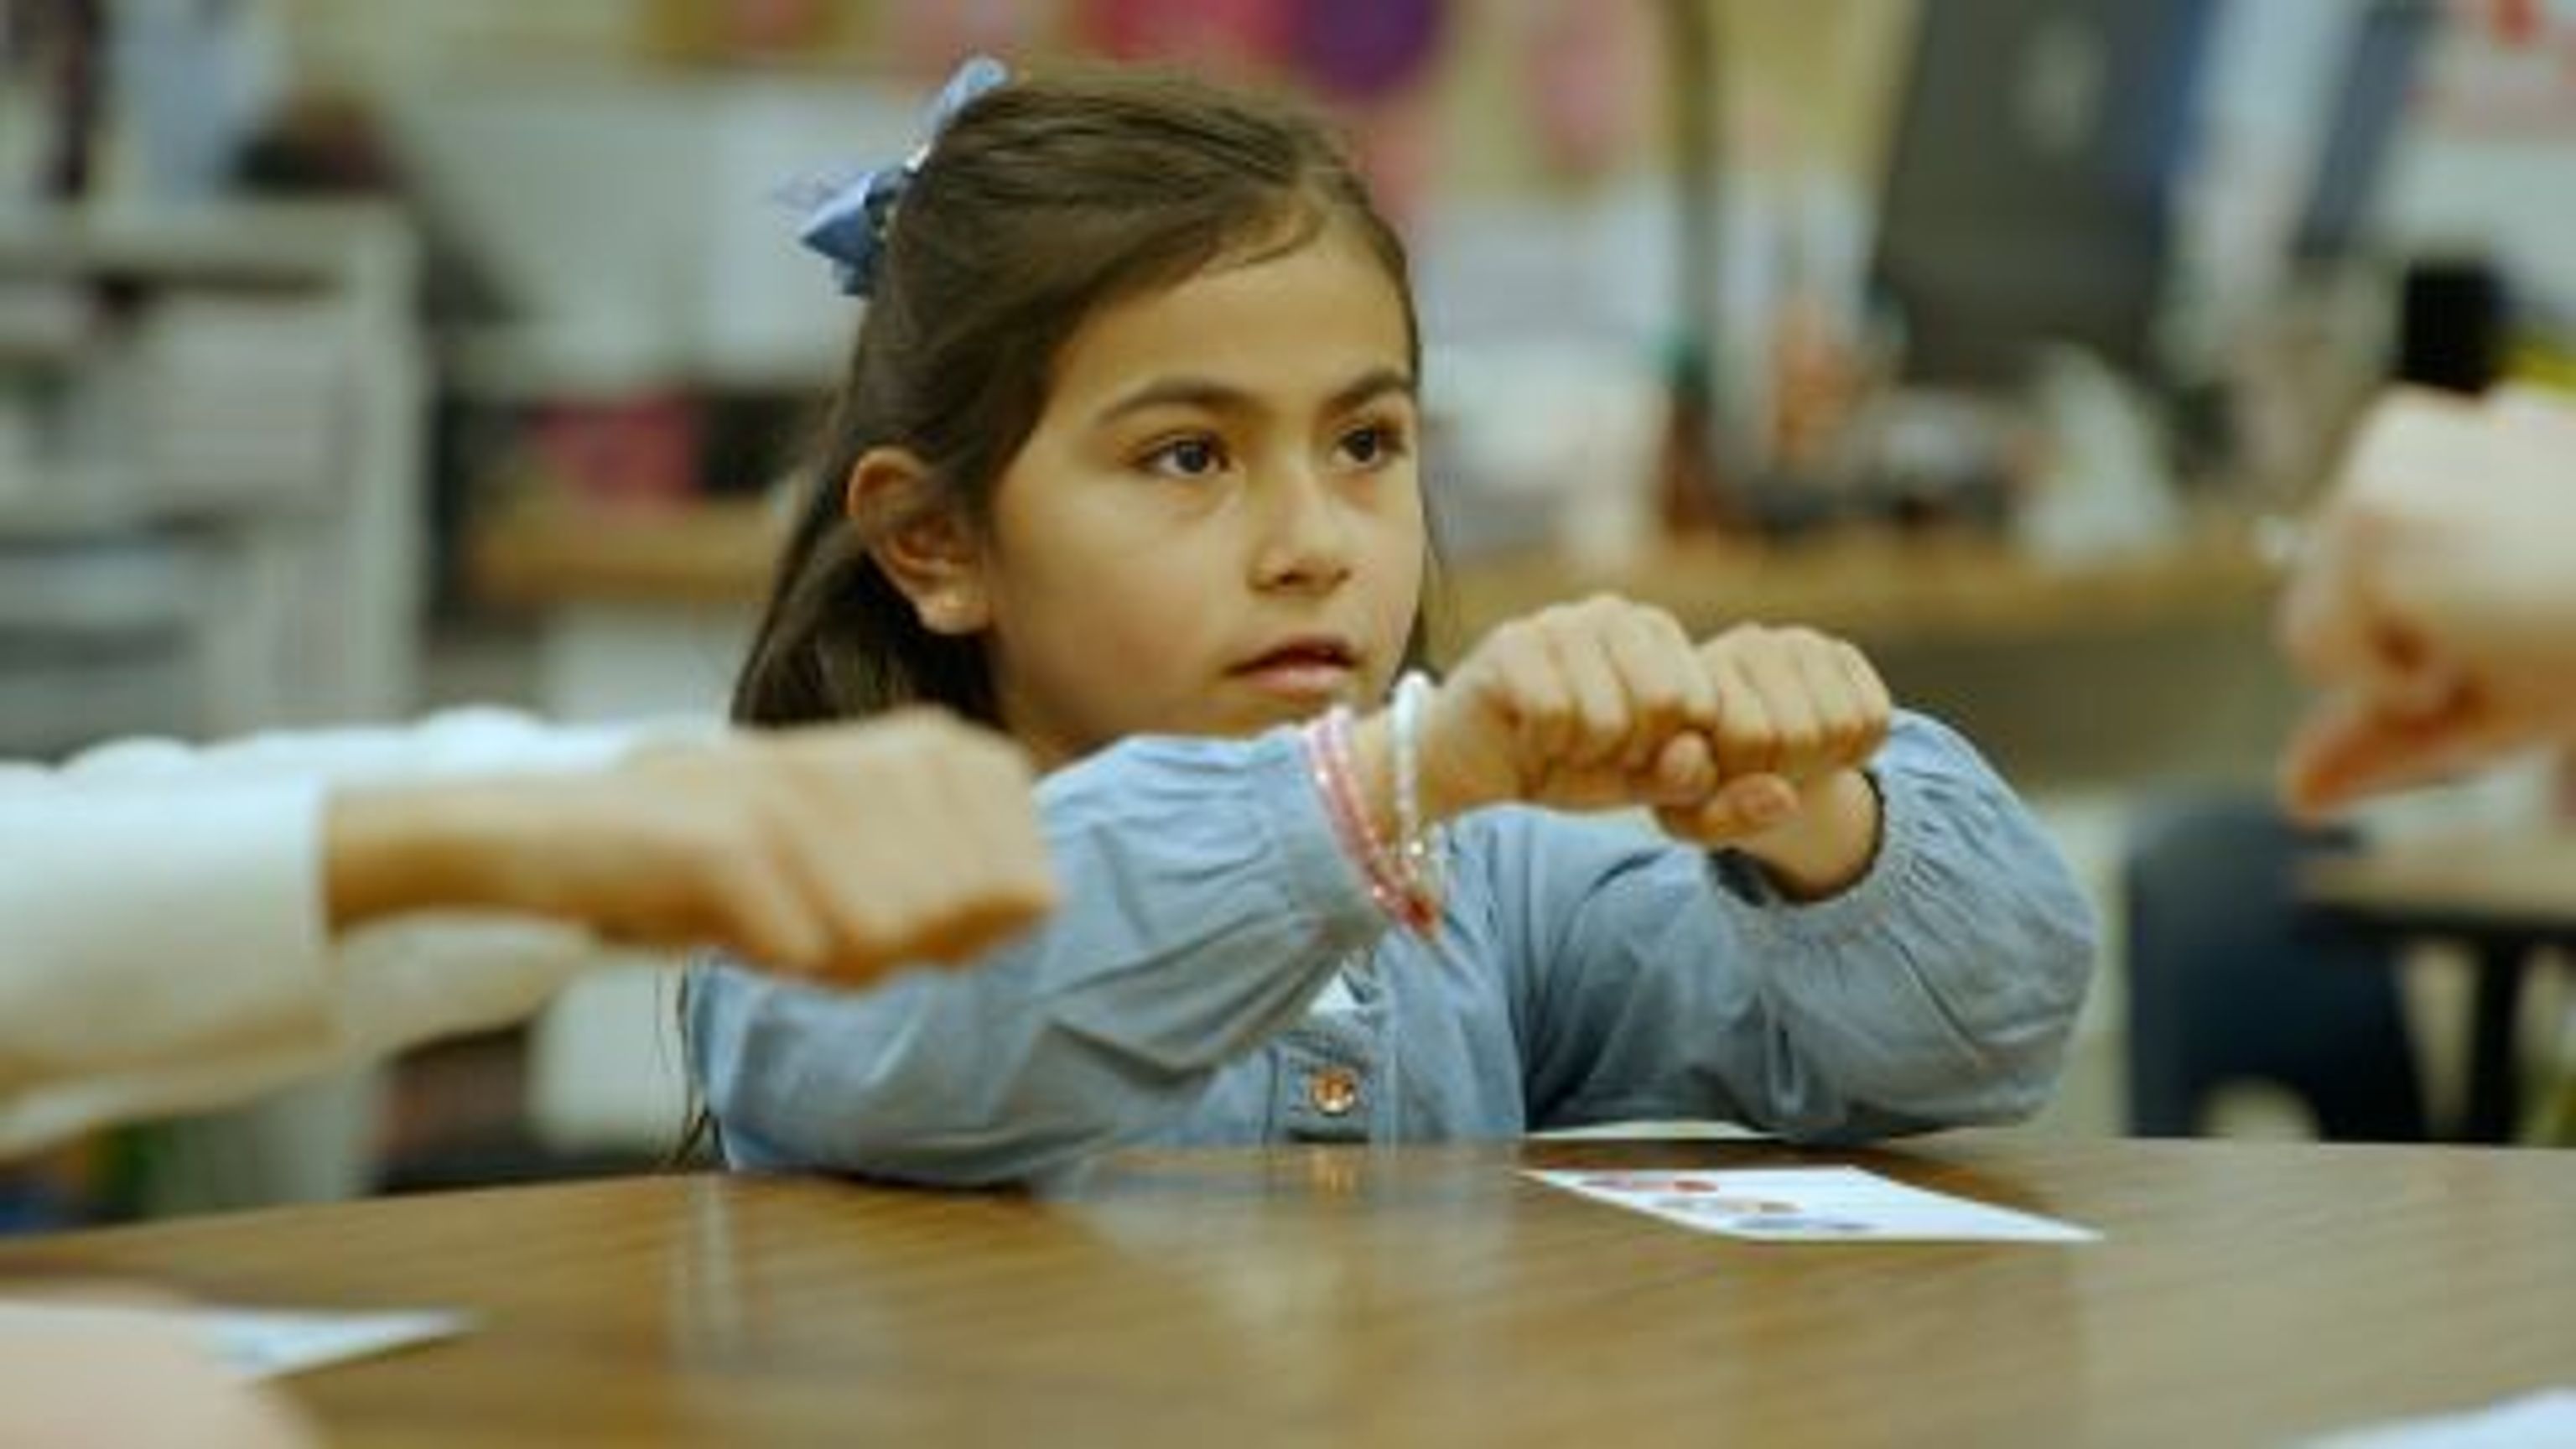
359, 359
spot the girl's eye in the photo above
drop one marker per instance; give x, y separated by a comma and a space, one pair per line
1369, 446
1187, 458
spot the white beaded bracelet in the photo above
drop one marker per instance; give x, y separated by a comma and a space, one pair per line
1415, 846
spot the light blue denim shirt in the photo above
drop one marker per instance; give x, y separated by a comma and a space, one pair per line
1218, 974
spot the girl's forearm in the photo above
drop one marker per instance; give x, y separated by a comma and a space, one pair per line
1825, 848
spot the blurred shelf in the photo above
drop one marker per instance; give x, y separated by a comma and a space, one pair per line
534, 364
253, 243
75, 588
1877, 588
707, 553
227, 446
1888, 588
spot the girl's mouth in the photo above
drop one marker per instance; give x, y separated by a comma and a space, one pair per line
1306, 668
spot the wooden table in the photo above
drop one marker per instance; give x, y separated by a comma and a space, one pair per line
2245, 1293
2503, 896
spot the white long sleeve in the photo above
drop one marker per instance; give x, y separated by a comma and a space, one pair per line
162, 936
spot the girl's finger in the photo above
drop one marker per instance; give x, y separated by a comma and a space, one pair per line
1683, 772
1876, 703
1743, 807
1602, 717
1536, 697
1842, 716
1798, 752
1667, 689
1847, 702
1747, 744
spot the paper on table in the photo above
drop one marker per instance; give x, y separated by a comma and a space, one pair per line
1811, 1204
1655, 1129
255, 1343
2543, 1418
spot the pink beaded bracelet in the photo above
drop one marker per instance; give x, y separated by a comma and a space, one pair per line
1397, 882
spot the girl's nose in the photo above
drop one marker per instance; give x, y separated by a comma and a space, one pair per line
1307, 540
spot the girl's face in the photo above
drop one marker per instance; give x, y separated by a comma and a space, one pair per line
1216, 525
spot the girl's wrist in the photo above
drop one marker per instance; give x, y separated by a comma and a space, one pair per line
1370, 775
1443, 795
1829, 845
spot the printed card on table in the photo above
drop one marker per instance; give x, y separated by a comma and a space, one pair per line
1811, 1205
254, 1343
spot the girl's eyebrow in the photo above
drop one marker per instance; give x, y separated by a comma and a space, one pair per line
1214, 396
1370, 386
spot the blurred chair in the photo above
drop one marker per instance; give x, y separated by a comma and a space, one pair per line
2232, 981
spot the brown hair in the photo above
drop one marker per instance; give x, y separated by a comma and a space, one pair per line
1040, 203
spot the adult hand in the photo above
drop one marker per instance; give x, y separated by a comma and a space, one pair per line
837, 852
2435, 602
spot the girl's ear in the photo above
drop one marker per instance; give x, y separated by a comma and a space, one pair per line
924, 545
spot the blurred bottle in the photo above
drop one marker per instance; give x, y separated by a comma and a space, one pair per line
1690, 493
2451, 325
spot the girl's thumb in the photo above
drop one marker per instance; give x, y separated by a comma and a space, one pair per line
1747, 805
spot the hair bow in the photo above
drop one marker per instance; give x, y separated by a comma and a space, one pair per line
848, 224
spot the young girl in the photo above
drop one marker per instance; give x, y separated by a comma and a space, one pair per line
1125, 463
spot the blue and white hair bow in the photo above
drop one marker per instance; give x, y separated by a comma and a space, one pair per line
848, 223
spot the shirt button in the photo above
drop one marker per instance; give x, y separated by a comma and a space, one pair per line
1334, 1091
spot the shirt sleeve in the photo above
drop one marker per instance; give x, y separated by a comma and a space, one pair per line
1657, 980
166, 931
1208, 903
